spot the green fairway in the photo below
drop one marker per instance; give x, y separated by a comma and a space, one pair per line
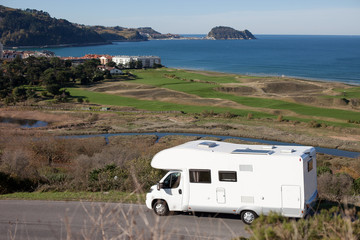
206, 90
115, 100
205, 86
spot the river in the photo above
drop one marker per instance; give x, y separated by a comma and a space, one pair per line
330, 151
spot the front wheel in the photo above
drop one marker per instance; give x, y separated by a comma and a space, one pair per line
248, 216
160, 208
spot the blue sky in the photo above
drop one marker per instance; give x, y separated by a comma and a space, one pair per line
329, 17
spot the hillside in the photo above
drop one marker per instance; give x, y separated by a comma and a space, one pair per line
152, 34
30, 27
117, 33
225, 33
37, 28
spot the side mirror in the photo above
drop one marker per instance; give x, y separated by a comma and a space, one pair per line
159, 186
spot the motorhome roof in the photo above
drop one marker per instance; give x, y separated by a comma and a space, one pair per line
231, 148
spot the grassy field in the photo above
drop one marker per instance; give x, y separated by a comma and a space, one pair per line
204, 85
206, 90
111, 196
116, 100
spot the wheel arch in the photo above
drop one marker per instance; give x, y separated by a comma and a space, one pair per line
256, 210
157, 199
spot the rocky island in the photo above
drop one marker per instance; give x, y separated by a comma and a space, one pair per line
228, 33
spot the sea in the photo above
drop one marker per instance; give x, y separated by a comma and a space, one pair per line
314, 57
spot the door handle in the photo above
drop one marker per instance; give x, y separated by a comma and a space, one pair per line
180, 191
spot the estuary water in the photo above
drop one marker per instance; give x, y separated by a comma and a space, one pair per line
327, 58
330, 151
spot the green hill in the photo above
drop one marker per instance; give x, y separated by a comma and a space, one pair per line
37, 28
30, 27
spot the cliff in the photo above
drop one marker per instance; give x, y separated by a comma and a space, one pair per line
226, 33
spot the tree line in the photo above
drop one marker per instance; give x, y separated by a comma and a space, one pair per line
41, 77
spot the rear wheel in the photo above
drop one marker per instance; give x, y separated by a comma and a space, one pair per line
248, 216
160, 208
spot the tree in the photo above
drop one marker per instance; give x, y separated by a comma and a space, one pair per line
138, 64
132, 64
53, 88
111, 64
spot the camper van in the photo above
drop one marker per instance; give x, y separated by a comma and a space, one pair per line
248, 180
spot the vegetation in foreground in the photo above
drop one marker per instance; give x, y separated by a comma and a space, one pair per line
50, 168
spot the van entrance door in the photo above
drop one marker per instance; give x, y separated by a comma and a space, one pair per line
173, 191
290, 196
220, 195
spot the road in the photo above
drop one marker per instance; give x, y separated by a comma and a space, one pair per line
20, 219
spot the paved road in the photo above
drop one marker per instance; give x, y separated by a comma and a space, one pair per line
88, 220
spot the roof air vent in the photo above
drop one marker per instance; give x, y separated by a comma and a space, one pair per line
287, 150
252, 151
207, 144
269, 147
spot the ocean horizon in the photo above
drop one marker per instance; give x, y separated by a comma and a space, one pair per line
313, 57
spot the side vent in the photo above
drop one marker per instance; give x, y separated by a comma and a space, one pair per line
246, 168
207, 144
247, 199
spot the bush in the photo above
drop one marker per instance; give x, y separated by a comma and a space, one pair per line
228, 115
335, 187
329, 224
9, 184
357, 186
323, 169
110, 177
314, 124
207, 113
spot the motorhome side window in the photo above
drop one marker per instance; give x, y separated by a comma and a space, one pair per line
200, 176
310, 165
172, 180
227, 176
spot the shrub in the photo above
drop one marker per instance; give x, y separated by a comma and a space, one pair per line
314, 124
335, 187
357, 186
9, 184
228, 115
323, 169
328, 224
207, 113
141, 175
106, 178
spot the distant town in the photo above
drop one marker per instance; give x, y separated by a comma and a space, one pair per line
113, 64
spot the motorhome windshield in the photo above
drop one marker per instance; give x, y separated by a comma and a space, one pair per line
172, 180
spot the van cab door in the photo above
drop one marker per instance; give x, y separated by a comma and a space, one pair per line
172, 190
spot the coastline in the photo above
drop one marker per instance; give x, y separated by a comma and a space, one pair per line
308, 79
71, 45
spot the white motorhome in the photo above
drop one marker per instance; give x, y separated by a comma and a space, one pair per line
212, 176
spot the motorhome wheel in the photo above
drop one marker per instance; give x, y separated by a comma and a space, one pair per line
161, 208
248, 216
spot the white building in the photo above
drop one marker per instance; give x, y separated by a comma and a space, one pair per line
147, 61
112, 70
